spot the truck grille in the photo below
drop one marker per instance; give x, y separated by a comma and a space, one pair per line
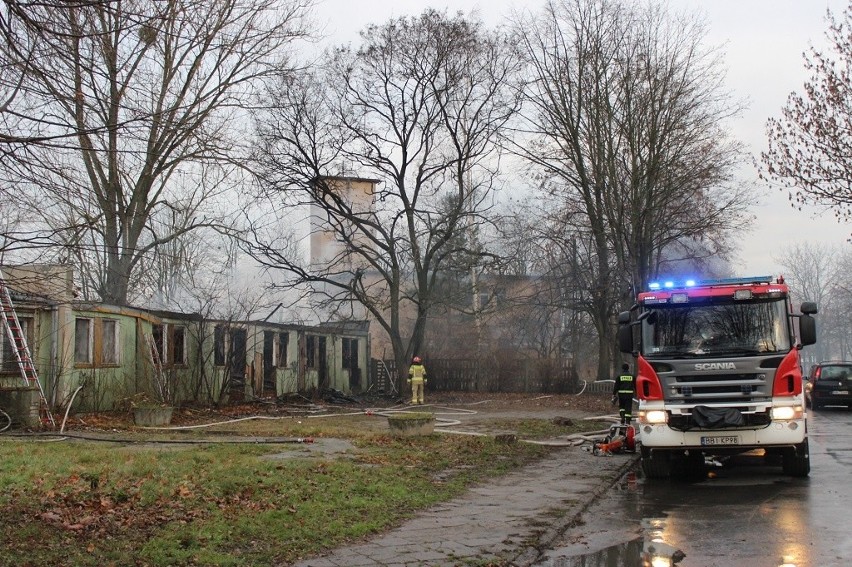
683, 422
706, 388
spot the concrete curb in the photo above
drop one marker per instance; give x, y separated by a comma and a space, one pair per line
530, 555
507, 521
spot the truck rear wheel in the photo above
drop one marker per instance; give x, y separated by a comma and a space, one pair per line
656, 464
796, 461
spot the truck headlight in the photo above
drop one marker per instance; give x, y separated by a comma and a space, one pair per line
660, 561
786, 413
653, 417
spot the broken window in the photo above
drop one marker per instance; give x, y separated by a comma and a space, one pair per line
178, 354
219, 345
350, 353
109, 342
170, 341
157, 332
97, 342
310, 351
283, 343
83, 341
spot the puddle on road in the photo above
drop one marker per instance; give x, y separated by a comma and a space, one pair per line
649, 543
646, 551
626, 554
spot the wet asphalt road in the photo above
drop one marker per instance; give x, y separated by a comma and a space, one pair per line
744, 513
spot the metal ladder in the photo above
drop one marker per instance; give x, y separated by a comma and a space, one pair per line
22, 351
386, 379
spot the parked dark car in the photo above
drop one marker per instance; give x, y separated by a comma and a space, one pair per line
830, 383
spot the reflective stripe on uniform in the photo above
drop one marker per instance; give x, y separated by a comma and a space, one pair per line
417, 372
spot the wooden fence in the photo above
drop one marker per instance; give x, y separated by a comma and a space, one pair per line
544, 376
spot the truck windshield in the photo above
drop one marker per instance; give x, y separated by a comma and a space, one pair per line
716, 329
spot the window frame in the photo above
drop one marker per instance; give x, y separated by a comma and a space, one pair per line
220, 351
97, 342
101, 353
89, 339
282, 344
170, 341
311, 345
349, 353
177, 336
159, 338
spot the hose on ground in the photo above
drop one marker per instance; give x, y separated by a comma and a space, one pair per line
68, 409
52, 437
5, 421
442, 425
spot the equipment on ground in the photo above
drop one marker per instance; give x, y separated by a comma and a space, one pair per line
621, 438
718, 372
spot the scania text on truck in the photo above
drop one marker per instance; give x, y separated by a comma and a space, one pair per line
718, 372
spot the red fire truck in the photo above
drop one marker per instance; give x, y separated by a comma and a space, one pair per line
718, 372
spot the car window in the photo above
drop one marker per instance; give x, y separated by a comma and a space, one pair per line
836, 372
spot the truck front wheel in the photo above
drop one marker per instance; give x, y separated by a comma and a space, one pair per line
795, 461
656, 464
689, 464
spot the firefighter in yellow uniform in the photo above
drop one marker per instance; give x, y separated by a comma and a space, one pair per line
622, 392
417, 379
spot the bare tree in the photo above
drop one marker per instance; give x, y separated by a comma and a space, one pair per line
137, 108
564, 259
842, 306
809, 148
15, 60
623, 125
818, 273
416, 108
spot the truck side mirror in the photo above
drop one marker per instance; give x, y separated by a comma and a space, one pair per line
807, 328
809, 308
625, 332
625, 338
625, 329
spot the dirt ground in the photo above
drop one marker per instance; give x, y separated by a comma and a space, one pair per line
526, 404
470, 408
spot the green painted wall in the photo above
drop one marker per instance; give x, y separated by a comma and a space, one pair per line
107, 386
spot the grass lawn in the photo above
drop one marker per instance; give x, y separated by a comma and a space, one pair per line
144, 501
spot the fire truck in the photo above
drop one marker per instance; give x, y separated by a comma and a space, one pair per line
718, 372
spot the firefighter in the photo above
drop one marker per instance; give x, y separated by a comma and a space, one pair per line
622, 392
417, 379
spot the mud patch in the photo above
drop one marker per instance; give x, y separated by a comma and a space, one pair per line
324, 447
448, 474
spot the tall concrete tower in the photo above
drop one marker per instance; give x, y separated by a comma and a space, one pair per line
326, 246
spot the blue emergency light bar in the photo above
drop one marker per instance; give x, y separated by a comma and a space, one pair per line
671, 284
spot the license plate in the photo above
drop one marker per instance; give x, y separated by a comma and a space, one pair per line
840, 393
719, 440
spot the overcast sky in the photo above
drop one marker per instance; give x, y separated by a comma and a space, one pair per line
763, 42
